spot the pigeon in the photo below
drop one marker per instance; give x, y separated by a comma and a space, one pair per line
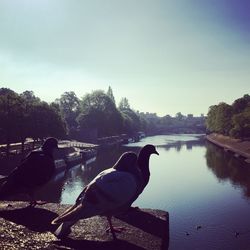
35, 170
143, 164
109, 193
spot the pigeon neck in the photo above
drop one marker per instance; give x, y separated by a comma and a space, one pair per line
143, 164
48, 152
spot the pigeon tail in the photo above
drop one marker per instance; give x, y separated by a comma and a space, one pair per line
76, 212
69, 215
64, 229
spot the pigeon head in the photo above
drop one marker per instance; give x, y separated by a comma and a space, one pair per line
149, 149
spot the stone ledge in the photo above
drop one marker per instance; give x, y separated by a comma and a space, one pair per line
29, 228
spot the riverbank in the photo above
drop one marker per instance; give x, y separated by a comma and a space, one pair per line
237, 146
23, 227
71, 153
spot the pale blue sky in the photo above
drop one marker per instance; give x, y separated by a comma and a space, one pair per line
164, 56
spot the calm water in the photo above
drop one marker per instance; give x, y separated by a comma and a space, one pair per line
196, 182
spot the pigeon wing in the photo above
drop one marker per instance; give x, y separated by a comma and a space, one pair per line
110, 190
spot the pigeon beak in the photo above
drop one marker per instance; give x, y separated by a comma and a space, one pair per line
156, 152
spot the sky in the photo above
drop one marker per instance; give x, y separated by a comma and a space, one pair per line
164, 56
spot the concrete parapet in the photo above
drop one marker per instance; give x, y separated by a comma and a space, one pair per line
23, 227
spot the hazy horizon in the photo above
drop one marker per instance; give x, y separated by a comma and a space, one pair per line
164, 56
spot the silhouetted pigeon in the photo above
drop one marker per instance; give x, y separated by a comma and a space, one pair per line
110, 192
143, 164
36, 169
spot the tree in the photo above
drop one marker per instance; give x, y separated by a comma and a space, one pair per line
211, 118
240, 104
219, 118
233, 120
131, 120
69, 105
241, 124
124, 104
223, 118
46, 122
28, 101
99, 111
30, 97
110, 94
179, 116
11, 116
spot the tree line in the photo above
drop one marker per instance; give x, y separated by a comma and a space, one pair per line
98, 111
26, 116
95, 115
231, 120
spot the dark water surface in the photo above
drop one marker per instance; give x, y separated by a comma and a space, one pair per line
205, 190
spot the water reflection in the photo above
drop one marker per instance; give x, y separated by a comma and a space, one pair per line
192, 180
180, 144
67, 186
226, 167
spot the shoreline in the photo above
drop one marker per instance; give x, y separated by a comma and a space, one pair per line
238, 147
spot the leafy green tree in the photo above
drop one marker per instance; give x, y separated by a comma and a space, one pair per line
210, 120
124, 104
241, 124
110, 94
30, 97
167, 120
240, 104
241, 117
131, 120
223, 118
232, 119
47, 121
99, 111
69, 105
57, 125
179, 116
11, 116
28, 101
143, 122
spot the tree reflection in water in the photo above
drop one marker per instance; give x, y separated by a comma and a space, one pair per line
226, 167
178, 145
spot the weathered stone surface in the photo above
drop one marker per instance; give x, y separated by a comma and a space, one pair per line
23, 227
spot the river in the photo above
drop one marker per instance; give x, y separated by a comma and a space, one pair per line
205, 190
